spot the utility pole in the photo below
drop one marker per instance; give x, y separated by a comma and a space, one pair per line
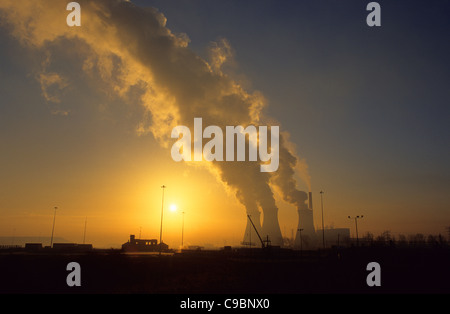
53, 228
162, 211
84, 234
182, 230
250, 237
356, 225
323, 228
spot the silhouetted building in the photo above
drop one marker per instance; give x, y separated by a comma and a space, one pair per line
85, 247
143, 245
33, 246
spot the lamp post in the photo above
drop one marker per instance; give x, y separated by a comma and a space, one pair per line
162, 211
356, 225
84, 233
182, 230
323, 228
53, 228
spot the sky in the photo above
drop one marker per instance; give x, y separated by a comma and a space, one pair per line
86, 114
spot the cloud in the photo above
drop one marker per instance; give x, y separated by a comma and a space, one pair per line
49, 80
130, 48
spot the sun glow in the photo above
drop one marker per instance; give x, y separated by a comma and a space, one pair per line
173, 207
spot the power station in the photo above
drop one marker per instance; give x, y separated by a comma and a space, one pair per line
306, 236
270, 228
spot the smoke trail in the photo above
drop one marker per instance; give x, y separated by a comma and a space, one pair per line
131, 47
284, 177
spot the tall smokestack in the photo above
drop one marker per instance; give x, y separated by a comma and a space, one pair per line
306, 234
310, 200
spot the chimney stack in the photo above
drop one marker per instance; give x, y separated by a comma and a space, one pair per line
306, 234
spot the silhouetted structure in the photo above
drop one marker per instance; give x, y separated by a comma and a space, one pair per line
307, 238
33, 246
143, 245
250, 237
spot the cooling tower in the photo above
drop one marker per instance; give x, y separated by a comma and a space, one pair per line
271, 227
307, 238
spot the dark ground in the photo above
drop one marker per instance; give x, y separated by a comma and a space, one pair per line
403, 271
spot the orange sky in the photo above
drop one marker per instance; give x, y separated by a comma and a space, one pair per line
86, 116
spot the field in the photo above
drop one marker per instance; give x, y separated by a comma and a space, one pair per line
402, 271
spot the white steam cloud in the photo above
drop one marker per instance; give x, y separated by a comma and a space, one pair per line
130, 48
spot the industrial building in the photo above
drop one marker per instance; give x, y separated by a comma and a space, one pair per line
307, 237
143, 245
33, 246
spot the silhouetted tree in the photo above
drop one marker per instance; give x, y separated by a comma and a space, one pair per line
368, 238
431, 239
441, 240
384, 238
417, 239
402, 241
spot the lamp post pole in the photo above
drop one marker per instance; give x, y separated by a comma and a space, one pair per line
356, 226
84, 233
182, 230
53, 228
323, 228
162, 211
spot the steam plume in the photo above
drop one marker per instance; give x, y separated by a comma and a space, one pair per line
131, 48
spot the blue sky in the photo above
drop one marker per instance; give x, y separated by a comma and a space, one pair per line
365, 105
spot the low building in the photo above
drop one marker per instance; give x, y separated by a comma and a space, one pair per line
33, 246
143, 245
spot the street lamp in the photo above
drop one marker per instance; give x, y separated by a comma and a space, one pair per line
323, 228
53, 228
182, 230
84, 233
162, 211
356, 224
